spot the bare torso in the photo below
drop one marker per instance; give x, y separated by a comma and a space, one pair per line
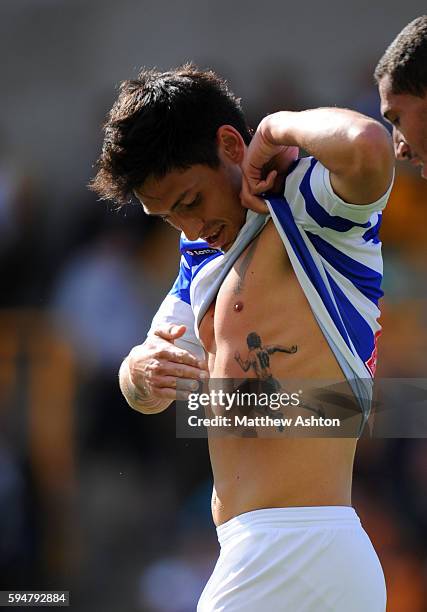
261, 295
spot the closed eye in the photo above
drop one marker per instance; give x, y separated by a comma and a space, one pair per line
393, 119
183, 207
197, 200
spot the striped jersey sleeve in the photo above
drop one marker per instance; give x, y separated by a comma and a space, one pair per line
176, 307
315, 205
342, 250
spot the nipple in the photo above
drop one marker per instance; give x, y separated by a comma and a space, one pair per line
238, 307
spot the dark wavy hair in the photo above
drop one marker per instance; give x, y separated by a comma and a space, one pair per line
405, 60
163, 121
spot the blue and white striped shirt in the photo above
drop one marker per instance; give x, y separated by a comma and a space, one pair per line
335, 252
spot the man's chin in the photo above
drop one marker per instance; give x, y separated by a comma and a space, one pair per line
228, 243
226, 247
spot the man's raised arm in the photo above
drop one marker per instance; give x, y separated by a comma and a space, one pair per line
356, 150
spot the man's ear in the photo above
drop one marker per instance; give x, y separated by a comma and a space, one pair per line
230, 144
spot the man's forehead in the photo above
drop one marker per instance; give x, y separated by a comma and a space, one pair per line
401, 102
386, 94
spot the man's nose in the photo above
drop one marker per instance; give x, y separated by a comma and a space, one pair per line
402, 150
192, 228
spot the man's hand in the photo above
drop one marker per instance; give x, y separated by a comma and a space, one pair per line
263, 168
155, 366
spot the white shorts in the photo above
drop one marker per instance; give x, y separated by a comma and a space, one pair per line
309, 559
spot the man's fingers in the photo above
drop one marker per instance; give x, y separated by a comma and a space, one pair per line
282, 160
265, 185
180, 394
183, 384
178, 370
250, 201
171, 332
257, 185
168, 387
255, 203
172, 353
180, 356
166, 393
161, 373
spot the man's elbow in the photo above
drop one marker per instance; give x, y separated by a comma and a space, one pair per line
373, 150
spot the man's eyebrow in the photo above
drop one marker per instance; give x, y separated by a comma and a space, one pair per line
173, 207
179, 200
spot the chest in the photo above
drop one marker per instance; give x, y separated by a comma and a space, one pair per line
260, 287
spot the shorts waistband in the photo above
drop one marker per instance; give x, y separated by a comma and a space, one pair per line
289, 518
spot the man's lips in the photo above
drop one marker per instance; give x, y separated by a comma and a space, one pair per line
214, 238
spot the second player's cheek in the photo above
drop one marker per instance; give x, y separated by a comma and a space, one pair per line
396, 137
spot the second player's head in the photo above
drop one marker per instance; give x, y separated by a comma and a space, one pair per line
175, 141
401, 75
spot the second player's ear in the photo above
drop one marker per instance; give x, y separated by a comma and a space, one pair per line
230, 143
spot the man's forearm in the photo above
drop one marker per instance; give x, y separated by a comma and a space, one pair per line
137, 398
329, 134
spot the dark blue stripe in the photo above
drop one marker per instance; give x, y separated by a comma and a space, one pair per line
360, 331
318, 213
283, 213
187, 258
366, 280
181, 287
372, 233
293, 165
